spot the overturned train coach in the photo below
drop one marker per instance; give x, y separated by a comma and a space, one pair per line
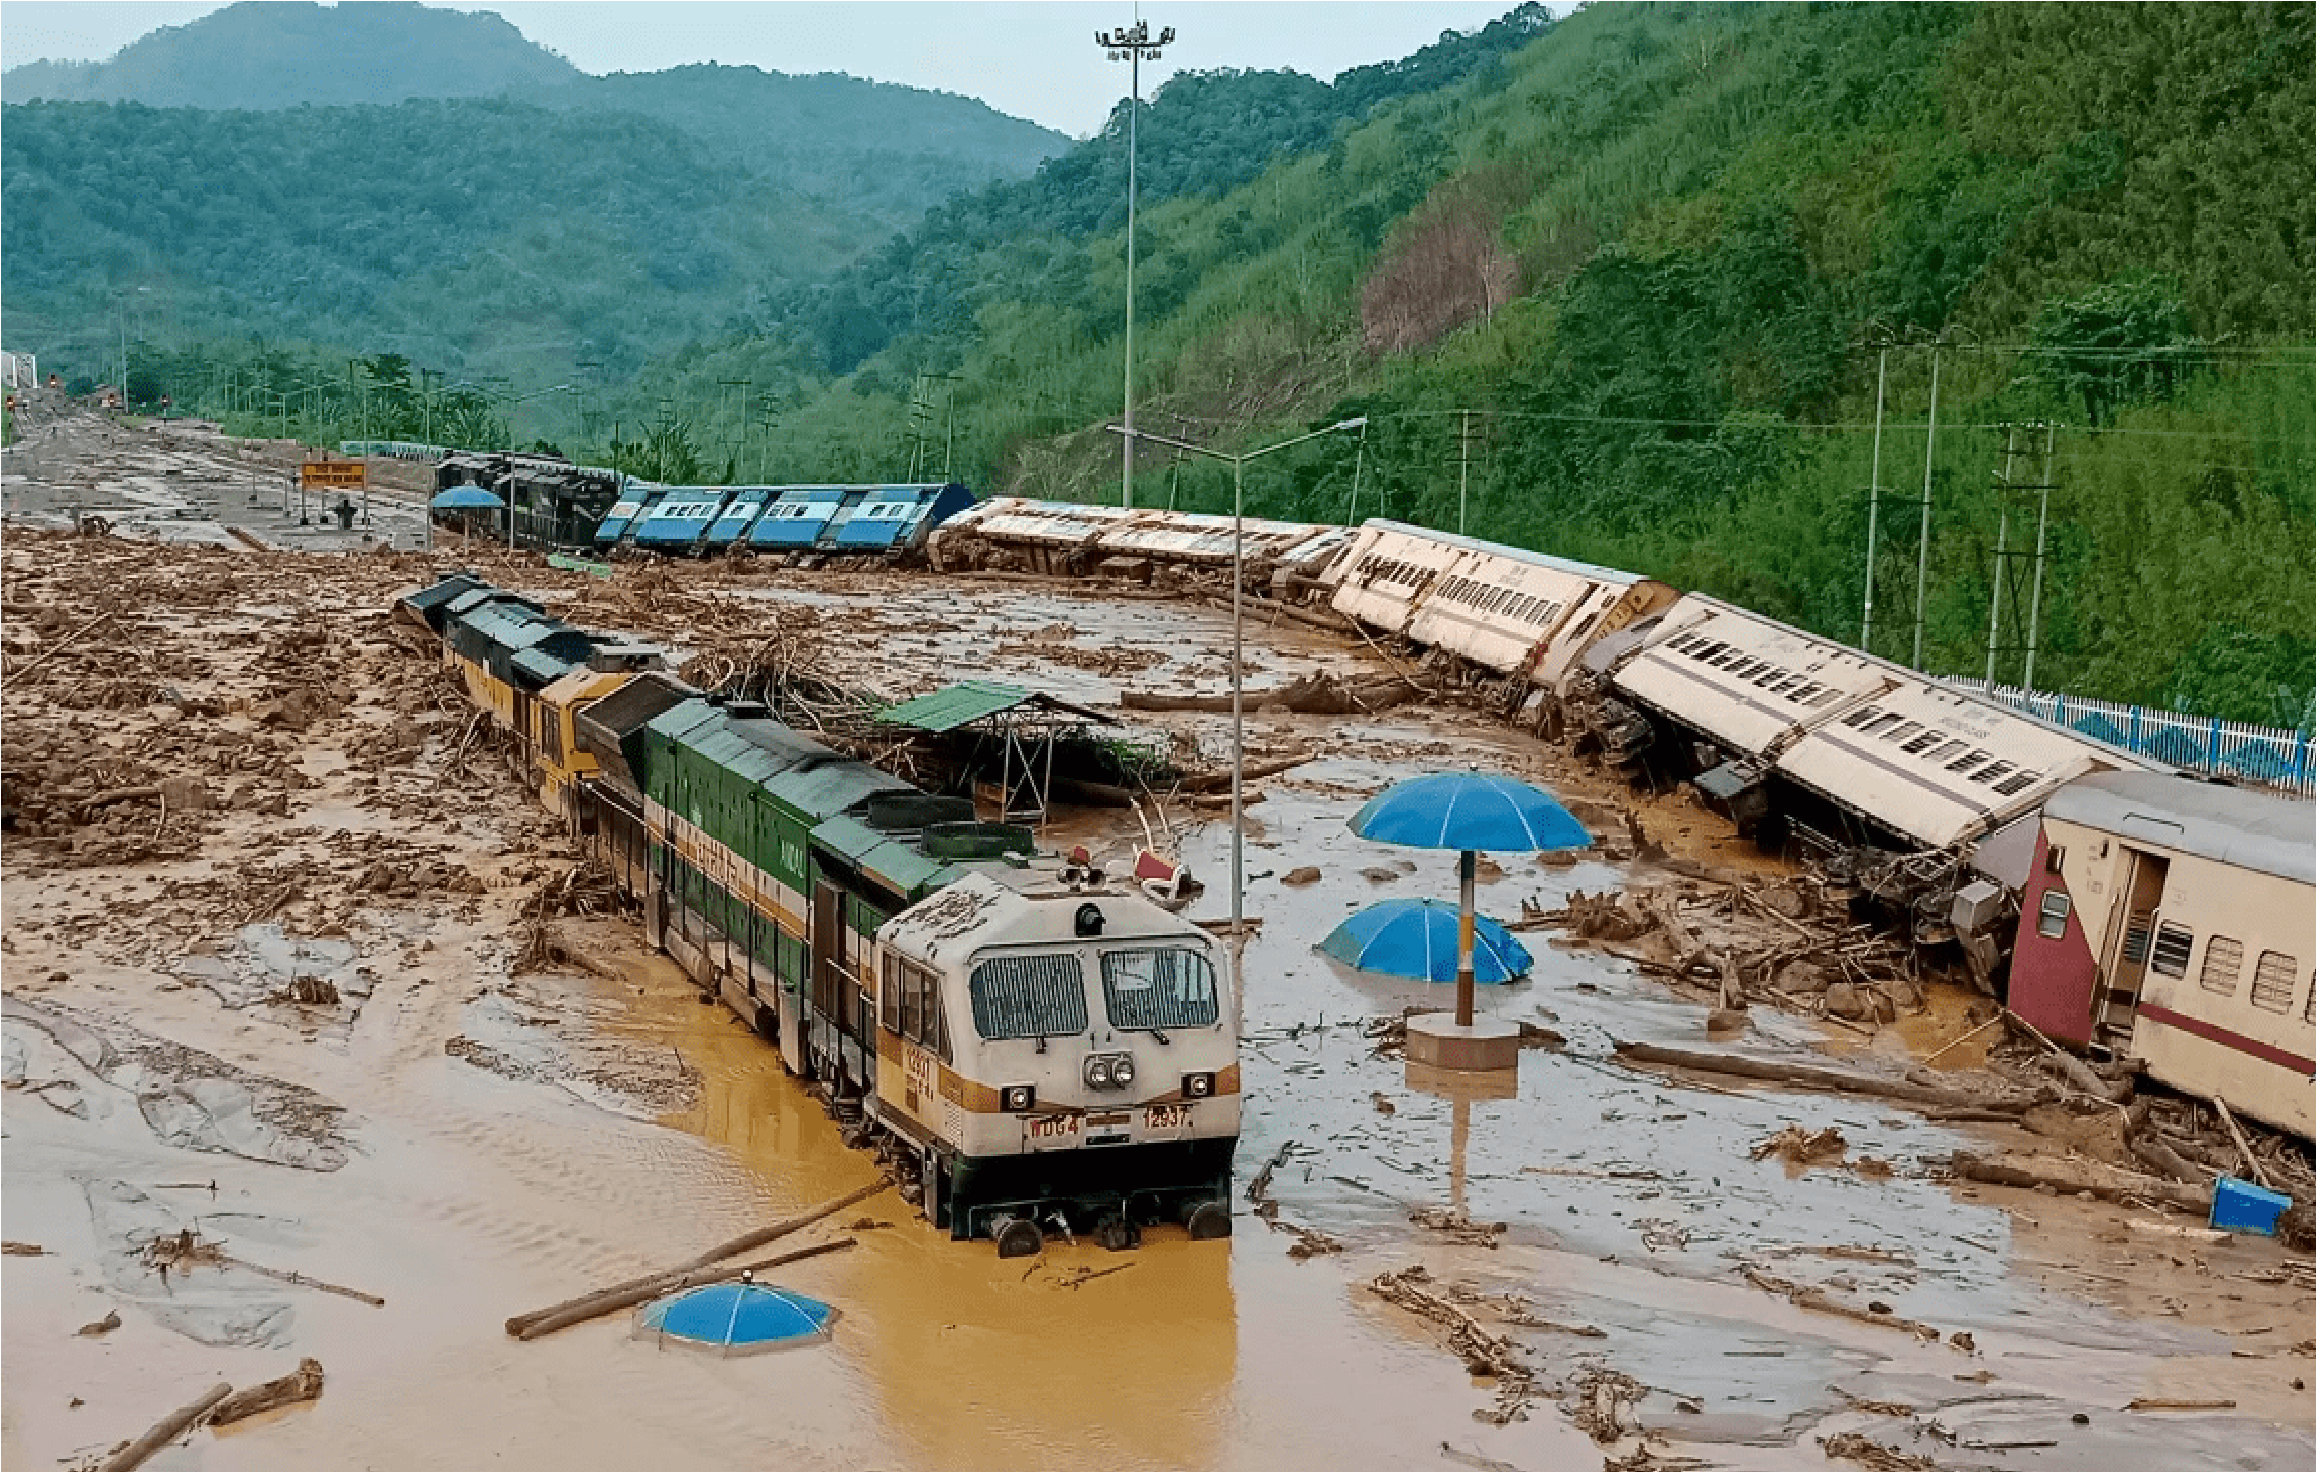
2173, 921
1031, 1044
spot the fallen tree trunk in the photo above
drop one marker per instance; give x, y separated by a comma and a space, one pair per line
1220, 781
1328, 619
2165, 1161
2080, 1075
164, 1431
612, 1300
302, 1281
1091, 794
746, 1242
302, 1384
2105, 1182
1805, 1076
1316, 696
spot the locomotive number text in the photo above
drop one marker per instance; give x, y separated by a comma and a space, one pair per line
1166, 1116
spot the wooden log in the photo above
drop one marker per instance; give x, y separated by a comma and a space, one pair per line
1159, 700
164, 1431
612, 1300
1220, 781
2228, 1118
1817, 1301
302, 1281
302, 1384
2105, 1182
50, 652
121, 794
1805, 1076
746, 1242
2079, 1074
1091, 794
1211, 800
2165, 1161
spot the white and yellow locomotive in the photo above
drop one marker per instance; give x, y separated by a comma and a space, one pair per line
1055, 1047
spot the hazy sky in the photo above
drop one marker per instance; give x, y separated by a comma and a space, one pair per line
1033, 60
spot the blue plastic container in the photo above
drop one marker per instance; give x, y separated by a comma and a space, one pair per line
2240, 1206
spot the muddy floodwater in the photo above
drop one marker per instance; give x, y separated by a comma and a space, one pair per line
469, 1145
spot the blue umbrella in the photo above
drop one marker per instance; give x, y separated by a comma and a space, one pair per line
737, 1318
466, 498
1468, 810
1417, 938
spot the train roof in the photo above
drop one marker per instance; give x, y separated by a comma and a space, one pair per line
1593, 571
1026, 907
893, 860
2229, 825
431, 605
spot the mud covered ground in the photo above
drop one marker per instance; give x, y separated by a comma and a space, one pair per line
274, 1001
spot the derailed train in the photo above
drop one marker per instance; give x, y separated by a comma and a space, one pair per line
1030, 1042
1941, 804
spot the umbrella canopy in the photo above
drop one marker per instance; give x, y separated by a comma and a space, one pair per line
1417, 938
466, 498
737, 1318
1471, 811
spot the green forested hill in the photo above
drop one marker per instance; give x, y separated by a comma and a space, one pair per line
1657, 255
1638, 279
599, 220
280, 54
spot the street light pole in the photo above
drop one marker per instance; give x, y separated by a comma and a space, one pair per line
1237, 635
1131, 43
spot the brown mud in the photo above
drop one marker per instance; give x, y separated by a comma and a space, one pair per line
467, 1139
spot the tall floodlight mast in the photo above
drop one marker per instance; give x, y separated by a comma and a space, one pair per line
1131, 43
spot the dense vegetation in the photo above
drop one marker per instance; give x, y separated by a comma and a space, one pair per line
1634, 280
280, 54
1204, 134
1660, 252
576, 227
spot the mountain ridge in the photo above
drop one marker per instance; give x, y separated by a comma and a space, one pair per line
281, 53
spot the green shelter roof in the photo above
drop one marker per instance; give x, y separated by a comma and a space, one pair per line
954, 706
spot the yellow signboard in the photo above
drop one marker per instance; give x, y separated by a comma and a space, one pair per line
333, 475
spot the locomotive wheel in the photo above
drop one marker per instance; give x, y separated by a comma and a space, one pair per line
1208, 1221
1118, 1234
1016, 1236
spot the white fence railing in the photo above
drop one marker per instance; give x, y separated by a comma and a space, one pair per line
2268, 755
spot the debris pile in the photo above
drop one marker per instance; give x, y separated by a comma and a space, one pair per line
1485, 1354
1784, 945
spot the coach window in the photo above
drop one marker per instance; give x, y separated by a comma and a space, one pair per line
2223, 962
2172, 945
2051, 921
2272, 981
1028, 997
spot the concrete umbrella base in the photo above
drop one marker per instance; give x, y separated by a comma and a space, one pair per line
1483, 1045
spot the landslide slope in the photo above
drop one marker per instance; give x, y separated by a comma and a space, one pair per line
1658, 251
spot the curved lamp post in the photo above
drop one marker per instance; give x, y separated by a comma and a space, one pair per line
1237, 465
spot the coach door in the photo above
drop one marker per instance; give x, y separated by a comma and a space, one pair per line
2124, 966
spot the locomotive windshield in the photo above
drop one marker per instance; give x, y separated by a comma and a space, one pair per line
1028, 997
1160, 988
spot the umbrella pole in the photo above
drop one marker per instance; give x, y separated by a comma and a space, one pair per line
1467, 871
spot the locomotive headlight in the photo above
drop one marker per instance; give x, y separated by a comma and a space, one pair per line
1098, 1072
1197, 1085
1122, 1072
1018, 1098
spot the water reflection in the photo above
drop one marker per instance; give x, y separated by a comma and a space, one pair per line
966, 1361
